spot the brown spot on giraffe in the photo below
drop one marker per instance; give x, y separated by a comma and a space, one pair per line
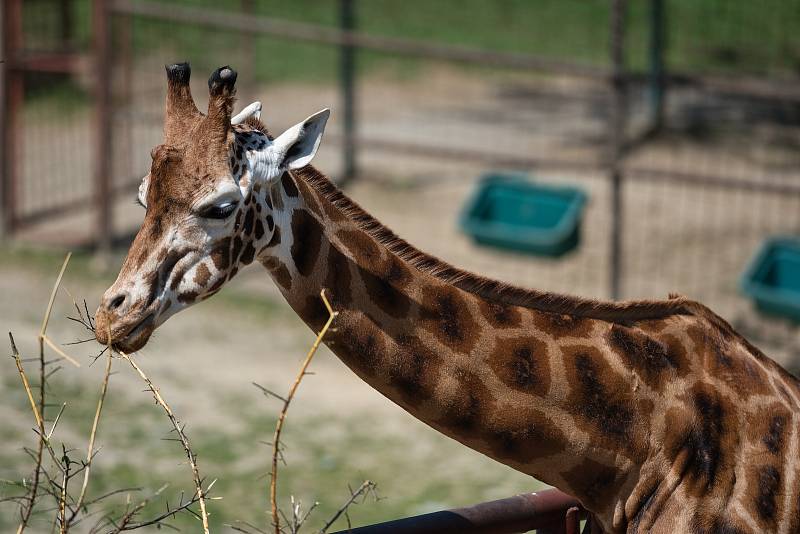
522, 364
597, 482
202, 275
561, 325
274, 241
525, 435
361, 246
388, 298
362, 344
279, 272
602, 399
415, 370
258, 231
220, 254
288, 185
236, 249
705, 431
467, 406
248, 253
500, 315
650, 358
249, 219
338, 280
307, 233
445, 314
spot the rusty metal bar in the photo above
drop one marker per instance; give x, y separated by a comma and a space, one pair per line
3, 132
347, 84
616, 131
333, 36
13, 100
54, 62
32, 217
541, 510
101, 26
783, 89
465, 154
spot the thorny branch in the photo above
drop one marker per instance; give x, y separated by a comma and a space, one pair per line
276, 438
70, 511
182, 436
364, 489
38, 411
92, 435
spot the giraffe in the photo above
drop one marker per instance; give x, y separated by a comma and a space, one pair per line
656, 415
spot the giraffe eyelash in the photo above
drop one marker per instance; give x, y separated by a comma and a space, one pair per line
139, 202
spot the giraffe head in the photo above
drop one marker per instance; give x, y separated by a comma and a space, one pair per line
206, 208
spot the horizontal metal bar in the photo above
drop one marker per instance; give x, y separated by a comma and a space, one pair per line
477, 156
32, 217
637, 173
61, 63
543, 509
631, 172
328, 35
779, 88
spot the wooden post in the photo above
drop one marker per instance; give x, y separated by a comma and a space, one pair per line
617, 137
13, 99
347, 68
101, 26
656, 75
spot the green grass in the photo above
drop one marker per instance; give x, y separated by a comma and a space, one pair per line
323, 456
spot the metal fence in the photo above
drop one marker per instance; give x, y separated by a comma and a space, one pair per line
679, 118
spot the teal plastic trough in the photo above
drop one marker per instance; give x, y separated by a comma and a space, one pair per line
511, 212
772, 279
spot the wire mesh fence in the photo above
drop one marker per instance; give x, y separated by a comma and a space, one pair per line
444, 92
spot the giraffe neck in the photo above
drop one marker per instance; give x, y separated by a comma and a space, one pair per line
504, 380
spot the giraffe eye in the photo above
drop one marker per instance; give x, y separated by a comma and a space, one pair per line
221, 211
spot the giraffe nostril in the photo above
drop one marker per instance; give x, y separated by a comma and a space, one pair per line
116, 302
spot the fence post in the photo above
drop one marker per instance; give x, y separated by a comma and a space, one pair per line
656, 75
617, 137
13, 96
101, 29
347, 67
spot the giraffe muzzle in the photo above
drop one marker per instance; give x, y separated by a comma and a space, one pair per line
126, 334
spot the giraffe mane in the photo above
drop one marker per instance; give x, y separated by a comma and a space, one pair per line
495, 290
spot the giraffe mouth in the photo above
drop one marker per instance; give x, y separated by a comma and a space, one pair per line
137, 337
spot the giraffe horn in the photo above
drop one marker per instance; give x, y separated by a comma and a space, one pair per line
221, 89
181, 109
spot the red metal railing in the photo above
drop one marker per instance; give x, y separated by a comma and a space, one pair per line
546, 512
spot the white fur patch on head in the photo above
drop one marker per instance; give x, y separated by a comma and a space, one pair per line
142, 193
293, 149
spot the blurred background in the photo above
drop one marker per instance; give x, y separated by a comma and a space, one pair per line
678, 122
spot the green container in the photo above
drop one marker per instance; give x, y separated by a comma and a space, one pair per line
510, 212
772, 279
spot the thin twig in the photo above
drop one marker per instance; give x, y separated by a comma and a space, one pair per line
34, 489
46, 319
273, 483
366, 487
92, 435
184, 440
26, 384
60, 352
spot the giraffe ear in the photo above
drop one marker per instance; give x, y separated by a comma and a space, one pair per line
297, 146
253, 110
